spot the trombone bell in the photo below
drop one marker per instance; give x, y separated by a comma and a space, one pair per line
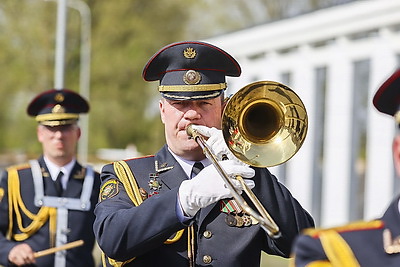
264, 124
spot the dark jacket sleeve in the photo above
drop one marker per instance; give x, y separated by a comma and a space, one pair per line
307, 250
122, 229
284, 209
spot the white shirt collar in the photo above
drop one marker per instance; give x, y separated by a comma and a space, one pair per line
187, 165
55, 170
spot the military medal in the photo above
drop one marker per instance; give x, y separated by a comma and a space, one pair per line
144, 195
154, 184
230, 206
247, 221
235, 217
239, 221
230, 220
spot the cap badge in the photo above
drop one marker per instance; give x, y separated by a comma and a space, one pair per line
59, 97
191, 77
189, 53
58, 109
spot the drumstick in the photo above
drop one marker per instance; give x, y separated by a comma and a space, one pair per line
55, 249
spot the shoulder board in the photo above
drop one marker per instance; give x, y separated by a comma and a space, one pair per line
142, 165
143, 157
19, 167
355, 226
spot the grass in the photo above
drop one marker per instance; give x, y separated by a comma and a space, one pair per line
273, 261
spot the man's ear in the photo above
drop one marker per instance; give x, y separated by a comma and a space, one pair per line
161, 108
79, 132
39, 133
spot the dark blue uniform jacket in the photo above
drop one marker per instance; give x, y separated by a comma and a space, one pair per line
124, 231
80, 223
364, 239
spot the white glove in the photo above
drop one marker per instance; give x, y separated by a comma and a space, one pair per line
208, 187
215, 141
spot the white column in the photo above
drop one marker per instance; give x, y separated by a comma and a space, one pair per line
299, 171
335, 185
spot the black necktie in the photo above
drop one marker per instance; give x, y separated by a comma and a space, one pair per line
197, 167
59, 186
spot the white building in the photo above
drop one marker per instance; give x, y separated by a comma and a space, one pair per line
335, 59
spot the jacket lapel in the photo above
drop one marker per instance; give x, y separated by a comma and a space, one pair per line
170, 172
173, 177
49, 185
75, 181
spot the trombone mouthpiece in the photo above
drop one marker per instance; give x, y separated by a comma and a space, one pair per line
190, 131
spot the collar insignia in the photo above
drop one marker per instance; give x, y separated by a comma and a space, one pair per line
80, 174
163, 167
45, 174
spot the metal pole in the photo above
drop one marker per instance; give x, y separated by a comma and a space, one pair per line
84, 78
60, 45
84, 75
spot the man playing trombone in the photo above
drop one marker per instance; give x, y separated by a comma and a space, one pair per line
173, 208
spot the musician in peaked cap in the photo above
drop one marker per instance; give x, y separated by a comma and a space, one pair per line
372, 243
49, 202
166, 209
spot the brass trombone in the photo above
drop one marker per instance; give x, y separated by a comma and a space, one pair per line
264, 124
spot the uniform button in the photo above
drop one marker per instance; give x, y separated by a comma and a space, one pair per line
207, 259
207, 234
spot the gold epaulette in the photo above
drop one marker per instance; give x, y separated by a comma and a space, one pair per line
17, 208
19, 166
128, 180
355, 226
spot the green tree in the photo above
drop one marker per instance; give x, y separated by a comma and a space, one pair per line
125, 34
